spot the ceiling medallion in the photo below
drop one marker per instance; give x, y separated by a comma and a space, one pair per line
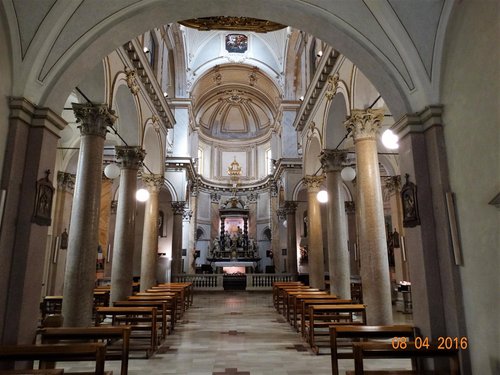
232, 23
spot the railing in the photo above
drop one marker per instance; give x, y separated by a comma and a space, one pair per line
264, 281
202, 281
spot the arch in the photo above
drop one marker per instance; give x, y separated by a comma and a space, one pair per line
152, 143
128, 120
380, 55
312, 163
171, 190
334, 130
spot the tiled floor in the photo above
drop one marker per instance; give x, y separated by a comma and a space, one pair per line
237, 333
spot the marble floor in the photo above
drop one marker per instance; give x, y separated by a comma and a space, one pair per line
237, 333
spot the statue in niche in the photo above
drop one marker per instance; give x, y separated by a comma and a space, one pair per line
216, 248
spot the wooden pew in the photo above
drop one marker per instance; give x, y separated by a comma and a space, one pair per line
370, 350
364, 332
303, 308
188, 288
164, 309
171, 300
134, 317
58, 353
48, 371
278, 284
322, 316
108, 334
290, 304
282, 296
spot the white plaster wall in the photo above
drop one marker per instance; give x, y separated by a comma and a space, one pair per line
470, 93
288, 136
181, 139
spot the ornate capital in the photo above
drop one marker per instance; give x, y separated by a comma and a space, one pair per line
364, 124
273, 188
178, 207
313, 182
333, 160
65, 181
252, 197
129, 157
94, 119
153, 182
132, 80
350, 207
290, 207
195, 188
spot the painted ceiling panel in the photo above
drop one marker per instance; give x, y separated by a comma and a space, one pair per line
421, 23
77, 26
29, 21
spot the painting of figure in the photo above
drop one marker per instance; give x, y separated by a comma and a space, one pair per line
236, 43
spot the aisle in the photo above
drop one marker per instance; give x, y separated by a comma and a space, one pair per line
238, 330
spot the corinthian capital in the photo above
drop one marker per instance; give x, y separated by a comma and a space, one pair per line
153, 182
129, 157
313, 182
178, 207
94, 119
333, 160
364, 124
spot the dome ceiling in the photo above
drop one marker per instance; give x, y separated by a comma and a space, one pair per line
235, 102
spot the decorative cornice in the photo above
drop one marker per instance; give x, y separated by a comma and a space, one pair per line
129, 157
419, 122
148, 79
178, 207
333, 160
364, 124
313, 182
94, 119
153, 182
318, 82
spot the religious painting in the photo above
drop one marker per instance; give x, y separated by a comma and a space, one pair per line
236, 43
43, 201
410, 204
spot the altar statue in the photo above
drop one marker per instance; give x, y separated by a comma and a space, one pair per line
216, 248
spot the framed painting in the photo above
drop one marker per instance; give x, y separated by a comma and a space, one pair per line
410, 204
236, 43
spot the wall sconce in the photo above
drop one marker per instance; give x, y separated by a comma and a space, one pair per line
112, 171
146, 50
390, 140
322, 196
319, 54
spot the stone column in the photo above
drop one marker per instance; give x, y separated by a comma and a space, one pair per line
350, 210
186, 240
193, 203
178, 211
130, 159
149, 255
64, 199
364, 126
315, 234
275, 230
83, 240
338, 253
291, 237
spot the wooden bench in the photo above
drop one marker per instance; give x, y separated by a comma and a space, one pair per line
164, 307
370, 350
109, 334
321, 317
283, 296
50, 353
303, 308
171, 300
364, 332
134, 317
279, 284
290, 304
48, 371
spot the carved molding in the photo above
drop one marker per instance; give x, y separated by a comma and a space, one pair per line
131, 79
290, 207
281, 214
364, 124
393, 184
333, 84
94, 119
187, 215
232, 23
